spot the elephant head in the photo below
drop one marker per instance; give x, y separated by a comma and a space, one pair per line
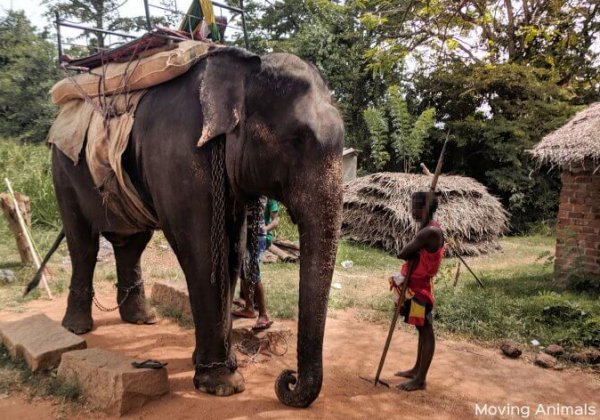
284, 139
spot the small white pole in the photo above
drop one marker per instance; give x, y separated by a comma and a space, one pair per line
36, 258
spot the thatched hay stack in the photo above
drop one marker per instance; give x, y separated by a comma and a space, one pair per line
377, 212
574, 143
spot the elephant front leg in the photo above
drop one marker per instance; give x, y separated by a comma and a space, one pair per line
215, 363
131, 297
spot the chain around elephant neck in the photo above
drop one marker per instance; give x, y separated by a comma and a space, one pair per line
217, 228
217, 233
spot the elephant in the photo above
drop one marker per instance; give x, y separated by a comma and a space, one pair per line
281, 136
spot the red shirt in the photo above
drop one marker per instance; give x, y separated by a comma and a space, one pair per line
421, 279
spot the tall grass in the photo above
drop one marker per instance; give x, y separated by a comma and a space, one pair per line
27, 166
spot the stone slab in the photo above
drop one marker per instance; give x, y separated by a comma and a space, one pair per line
39, 340
172, 296
108, 381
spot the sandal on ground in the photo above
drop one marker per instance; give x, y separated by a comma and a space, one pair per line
262, 324
149, 364
240, 313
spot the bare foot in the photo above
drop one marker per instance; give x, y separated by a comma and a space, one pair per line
406, 373
412, 385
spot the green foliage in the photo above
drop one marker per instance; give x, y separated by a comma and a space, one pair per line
28, 169
578, 281
496, 113
27, 72
400, 119
15, 376
590, 332
406, 139
378, 128
286, 228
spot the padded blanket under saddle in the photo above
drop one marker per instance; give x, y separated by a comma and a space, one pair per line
114, 78
100, 106
107, 139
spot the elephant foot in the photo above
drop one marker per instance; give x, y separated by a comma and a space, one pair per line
136, 310
220, 381
78, 322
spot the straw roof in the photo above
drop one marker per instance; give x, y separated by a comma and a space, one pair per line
377, 212
574, 143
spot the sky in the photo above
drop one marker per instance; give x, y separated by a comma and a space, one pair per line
34, 11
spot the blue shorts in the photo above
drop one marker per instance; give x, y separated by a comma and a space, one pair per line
262, 247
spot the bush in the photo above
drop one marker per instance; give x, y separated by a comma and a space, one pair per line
27, 167
590, 332
579, 282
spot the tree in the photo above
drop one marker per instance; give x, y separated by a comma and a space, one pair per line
101, 14
378, 128
27, 72
399, 130
495, 114
551, 34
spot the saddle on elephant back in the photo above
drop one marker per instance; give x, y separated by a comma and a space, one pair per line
99, 105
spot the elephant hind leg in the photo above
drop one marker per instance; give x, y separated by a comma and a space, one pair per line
82, 242
131, 296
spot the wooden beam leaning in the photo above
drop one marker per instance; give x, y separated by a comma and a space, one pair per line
28, 239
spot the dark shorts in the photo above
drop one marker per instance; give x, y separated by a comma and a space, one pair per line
417, 313
262, 247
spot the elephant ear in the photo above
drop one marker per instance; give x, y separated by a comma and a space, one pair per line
222, 90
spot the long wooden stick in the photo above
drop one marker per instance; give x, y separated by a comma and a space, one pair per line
457, 274
36, 258
413, 263
468, 268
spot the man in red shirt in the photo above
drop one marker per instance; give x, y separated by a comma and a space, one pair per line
427, 248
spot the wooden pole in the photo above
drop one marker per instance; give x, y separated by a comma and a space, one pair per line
426, 170
457, 274
469, 268
36, 259
8, 207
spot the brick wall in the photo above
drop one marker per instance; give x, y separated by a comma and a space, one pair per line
578, 228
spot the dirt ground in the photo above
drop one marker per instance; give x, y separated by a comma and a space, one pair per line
462, 375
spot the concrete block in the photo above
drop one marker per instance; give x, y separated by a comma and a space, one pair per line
108, 381
38, 340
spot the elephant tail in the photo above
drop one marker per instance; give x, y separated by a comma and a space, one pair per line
38, 276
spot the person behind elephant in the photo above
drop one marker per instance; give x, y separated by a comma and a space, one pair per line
265, 238
427, 248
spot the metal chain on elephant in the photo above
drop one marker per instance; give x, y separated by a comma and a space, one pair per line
252, 264
100, 306
217, 238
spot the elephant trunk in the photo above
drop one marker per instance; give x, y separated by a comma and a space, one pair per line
319, 221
